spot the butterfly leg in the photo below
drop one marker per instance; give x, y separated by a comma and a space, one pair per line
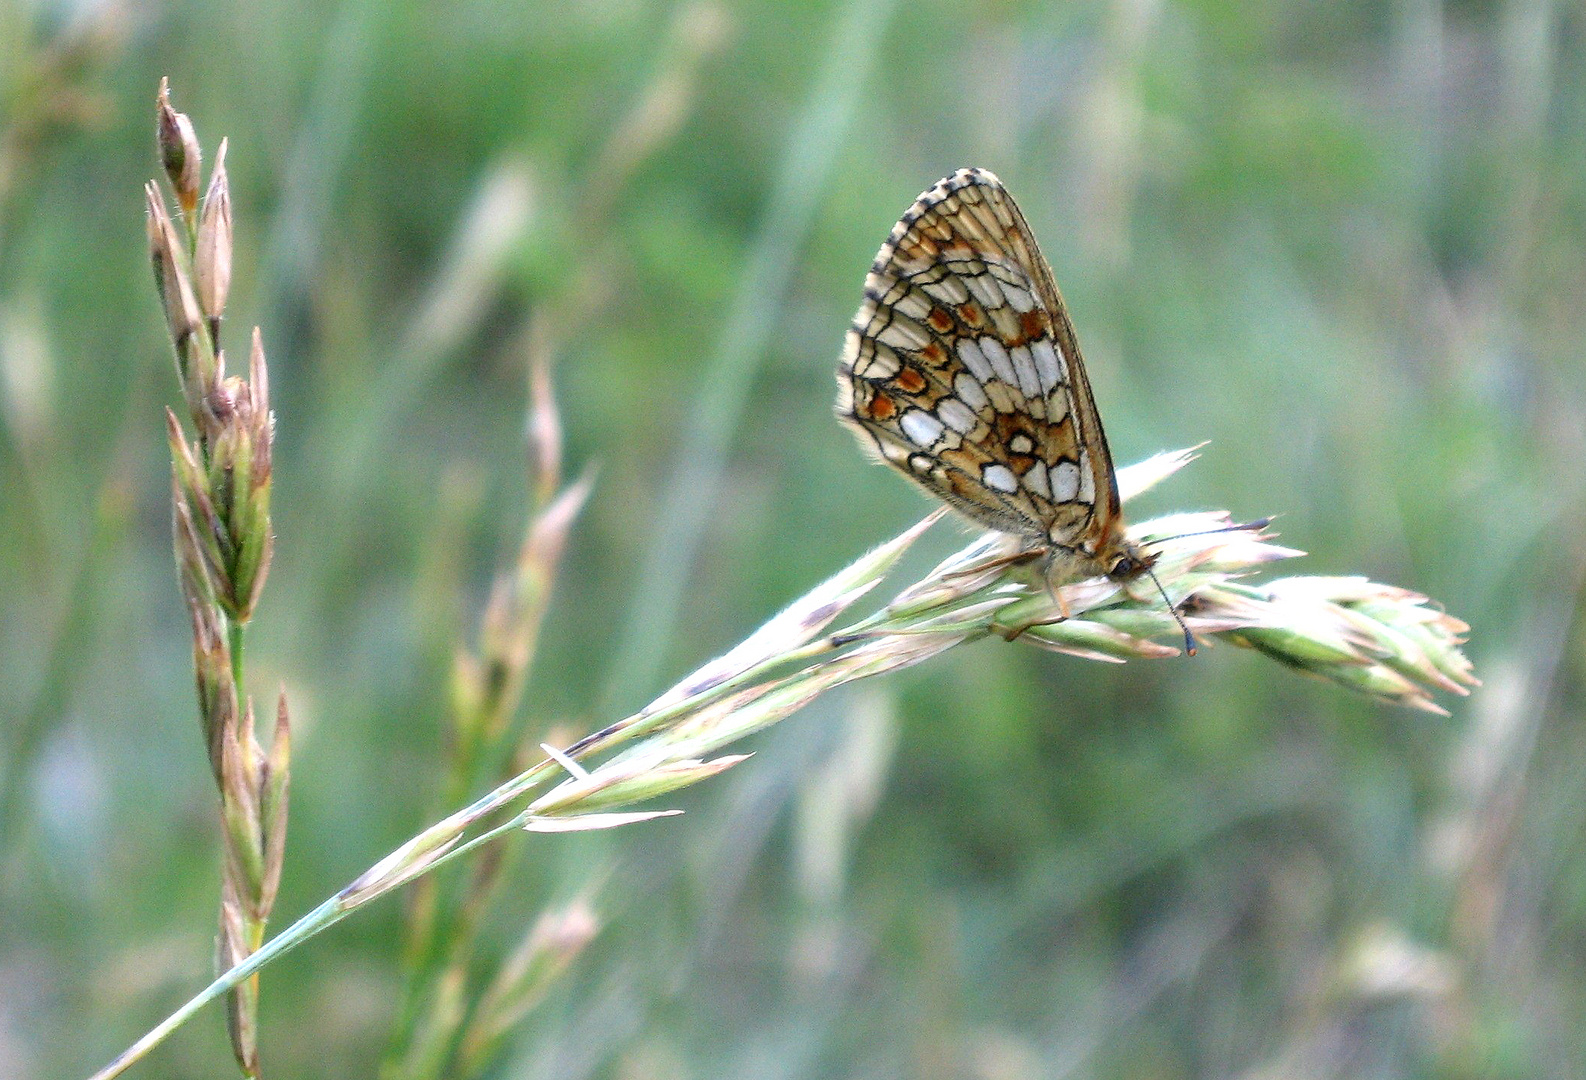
1012, 633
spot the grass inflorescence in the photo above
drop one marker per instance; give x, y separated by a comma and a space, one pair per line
221, 474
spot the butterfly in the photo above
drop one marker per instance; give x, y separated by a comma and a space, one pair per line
962, 371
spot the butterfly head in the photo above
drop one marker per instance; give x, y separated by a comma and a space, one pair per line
1128, 561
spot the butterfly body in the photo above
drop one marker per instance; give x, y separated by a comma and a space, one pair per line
962, 371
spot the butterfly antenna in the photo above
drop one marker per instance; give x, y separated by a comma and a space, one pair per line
1189, 638
1247, 526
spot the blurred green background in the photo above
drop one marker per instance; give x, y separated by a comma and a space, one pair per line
1343, 242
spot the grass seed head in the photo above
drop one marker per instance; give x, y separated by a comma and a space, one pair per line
196, 366
212, 249
179, 151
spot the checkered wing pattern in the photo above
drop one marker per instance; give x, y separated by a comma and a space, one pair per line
962, 371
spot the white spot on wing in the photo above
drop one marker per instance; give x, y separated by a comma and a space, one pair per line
1087, 479
999, 478
969, 390
921, 427
1020, 299
994, 352
1065, 482
1035, 480
1047, 366
1057, 405
913, 305
1024, 366
903, 333
950, 290
985, 289
1021, 444
975, 360
958, 416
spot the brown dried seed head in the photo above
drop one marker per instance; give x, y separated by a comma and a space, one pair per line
179, 151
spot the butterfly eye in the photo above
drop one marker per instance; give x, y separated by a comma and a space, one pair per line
1130, 564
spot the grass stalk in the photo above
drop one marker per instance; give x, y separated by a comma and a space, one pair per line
1380, 640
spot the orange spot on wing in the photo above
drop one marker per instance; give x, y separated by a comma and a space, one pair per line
909, 380
1033, 323
881, 408
940, 320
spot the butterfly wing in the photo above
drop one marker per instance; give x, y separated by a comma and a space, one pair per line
961, 370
